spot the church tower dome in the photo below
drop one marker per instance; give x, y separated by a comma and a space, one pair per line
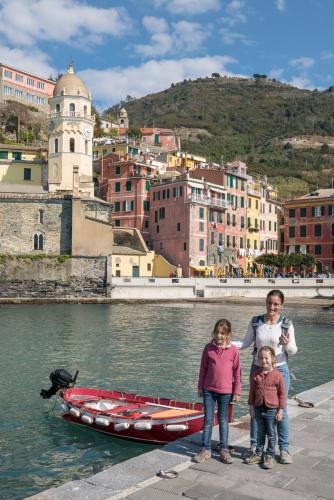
71, 125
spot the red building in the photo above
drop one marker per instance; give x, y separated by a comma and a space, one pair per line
162, 137
309, 227
126, 183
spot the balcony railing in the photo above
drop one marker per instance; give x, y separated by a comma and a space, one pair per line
71, 115
206, 200
254, 192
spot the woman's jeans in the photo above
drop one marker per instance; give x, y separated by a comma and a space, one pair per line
223, 400
282, 426
266, 426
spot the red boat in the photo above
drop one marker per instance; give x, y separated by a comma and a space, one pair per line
126, 415
131, 416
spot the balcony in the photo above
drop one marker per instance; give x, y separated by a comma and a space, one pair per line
253, 192
206, 200
71, 115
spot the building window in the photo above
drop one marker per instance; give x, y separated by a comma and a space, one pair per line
117, 187
149, 267
146, 224
164, 194
156, 216
30, 82
303, 212
270, 225
219, 217
161, 245
317, 249
85, 110
40, 100
234, 220
228, 218
19, 93
292, 231
7, 73
185, 246
220, 239
292, 212
162, 213
211, 215
241, 242
317, 230
57, 108
128, 186
117, 206
201, 227
302, 231
128, 206
72, 145
17, 155
212, 238
117, 222
332, 229
41, 216
38, 241
249, 202
19, 78
242, 202
27, 174
275, 226
40, 85
227, 240
146, 205
148, 186
242, 185
158, 228
242, 221
257, 204
30, 97
201, 245
318, 211
233, 241
178, 226
249, 222
3, 155
7, 90
72, 109
201, 212
56, 145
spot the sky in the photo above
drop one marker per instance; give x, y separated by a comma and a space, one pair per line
138, 47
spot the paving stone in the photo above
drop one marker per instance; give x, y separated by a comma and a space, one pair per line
259, 490
151, 494
203, 491
179, 484
212, 466
312, 487
277, 477
75, 490
326, 465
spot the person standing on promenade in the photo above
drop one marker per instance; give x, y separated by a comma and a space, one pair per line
274, 330
219, 381
266, 404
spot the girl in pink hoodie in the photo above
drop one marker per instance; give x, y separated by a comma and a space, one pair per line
218, 382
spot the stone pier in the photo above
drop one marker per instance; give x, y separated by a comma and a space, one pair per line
311, 476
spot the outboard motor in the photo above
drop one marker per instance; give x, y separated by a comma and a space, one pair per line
60, 379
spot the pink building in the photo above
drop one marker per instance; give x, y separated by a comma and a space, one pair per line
165, 138
24, 87
126, 183
186, 224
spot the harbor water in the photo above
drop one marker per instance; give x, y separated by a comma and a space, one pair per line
151, 349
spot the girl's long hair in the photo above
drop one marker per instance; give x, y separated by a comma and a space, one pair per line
227, 325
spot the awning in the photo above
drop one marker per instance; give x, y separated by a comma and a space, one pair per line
202, 269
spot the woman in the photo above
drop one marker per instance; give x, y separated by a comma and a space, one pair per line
272, 329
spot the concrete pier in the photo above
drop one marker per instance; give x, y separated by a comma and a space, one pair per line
311, 476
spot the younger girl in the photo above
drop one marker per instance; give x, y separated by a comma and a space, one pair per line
219, 381
266, 404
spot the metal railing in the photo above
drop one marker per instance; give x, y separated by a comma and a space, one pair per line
207, 200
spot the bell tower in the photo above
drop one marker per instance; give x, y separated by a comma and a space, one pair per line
70, 126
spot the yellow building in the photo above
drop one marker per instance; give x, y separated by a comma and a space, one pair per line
185, 160
101, 150
131, 257
22, 168
253, 223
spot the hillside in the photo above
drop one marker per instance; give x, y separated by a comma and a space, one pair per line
248, 119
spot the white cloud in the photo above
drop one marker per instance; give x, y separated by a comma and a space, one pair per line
327, 55
111, 85
302, 62
280, 4
230, 37
184, 36
276, 73
188, 6
155, 24
301, 82
235, 11
32, 61
64, 21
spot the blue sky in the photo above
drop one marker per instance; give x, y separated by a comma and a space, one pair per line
136, 47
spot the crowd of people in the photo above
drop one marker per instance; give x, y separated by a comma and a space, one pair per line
219, 383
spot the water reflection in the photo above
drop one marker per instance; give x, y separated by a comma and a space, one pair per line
152, 349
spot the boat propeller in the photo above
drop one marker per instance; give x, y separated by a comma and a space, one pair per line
60, 379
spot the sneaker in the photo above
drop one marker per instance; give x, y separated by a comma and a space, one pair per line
285, 457
225, 457
253, 459
202, 455
268, 462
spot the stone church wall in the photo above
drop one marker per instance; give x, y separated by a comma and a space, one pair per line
22, 216
52, 277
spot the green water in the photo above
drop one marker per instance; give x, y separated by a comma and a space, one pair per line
151, 349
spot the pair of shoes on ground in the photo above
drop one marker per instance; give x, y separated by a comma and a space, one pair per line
268, 460
203, 454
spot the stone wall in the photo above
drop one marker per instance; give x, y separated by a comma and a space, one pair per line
53, 277
22, 216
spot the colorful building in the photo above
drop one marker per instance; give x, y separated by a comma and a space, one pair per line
23, 168
162, 137
254, 194
183, 160
24, 87
186, 224
309, 227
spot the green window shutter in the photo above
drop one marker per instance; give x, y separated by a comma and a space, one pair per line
242, 200
132, 205
117, 187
